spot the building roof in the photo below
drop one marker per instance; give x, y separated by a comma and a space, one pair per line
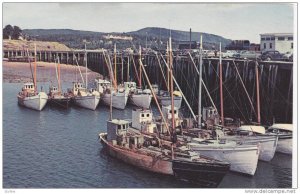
277, 34
119, 121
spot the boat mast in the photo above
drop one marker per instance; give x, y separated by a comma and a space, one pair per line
140, 68
34, 69
168, 71
115, 61
58, 75
200, 85
257, 93
85, 56
183, 96
109, 66
221, 85
172, 97
171, 84
128, 66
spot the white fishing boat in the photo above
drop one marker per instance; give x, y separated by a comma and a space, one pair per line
242, 158
138, 97
29, 96
164, 98
31, 99
119, 96
285, 137
84, 98
255, 135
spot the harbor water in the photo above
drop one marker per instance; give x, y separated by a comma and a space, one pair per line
58, 148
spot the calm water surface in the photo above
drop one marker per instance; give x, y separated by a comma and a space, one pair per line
58, 148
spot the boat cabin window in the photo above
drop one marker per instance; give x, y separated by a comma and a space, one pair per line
148, 115
275, 131
142, 115
174, 111
124, 126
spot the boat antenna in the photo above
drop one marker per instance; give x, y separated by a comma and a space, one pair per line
200, 85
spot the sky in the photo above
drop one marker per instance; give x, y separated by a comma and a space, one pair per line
233, 21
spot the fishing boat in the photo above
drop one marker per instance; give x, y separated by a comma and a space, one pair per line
81, 95
164, 98
285, 137
137, 96
56, 98
29, 96
84, 98
119, 96
255, 135
249, 134
127, 145
243, 158
150, 153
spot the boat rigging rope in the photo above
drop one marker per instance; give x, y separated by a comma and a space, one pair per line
229, 94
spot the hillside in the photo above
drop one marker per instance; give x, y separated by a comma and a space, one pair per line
40, 45
156, 38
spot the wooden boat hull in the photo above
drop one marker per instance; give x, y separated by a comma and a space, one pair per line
141, 100
242, 159
205, 174
37, 102
267, 144
145, 162
88, 102
119, 101
64, 102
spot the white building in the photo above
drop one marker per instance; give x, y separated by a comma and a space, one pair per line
282, 42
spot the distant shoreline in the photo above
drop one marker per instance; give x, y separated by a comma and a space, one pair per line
19, 72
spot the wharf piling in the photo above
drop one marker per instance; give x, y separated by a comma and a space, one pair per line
275, 79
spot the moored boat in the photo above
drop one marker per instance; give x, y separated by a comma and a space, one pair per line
127, 144
119, 96
29, 96
138, 97
84, 98
31, 99
164, 98
285, 137
255, 135
57, 99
